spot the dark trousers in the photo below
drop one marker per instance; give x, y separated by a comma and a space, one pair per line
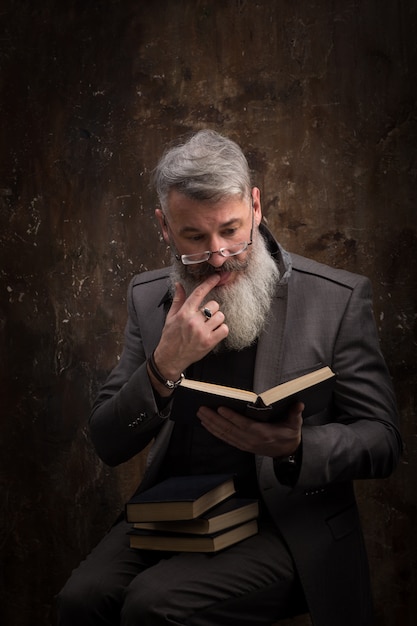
253, 582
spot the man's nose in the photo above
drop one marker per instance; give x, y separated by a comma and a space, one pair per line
216, 259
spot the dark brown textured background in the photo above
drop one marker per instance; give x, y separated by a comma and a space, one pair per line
322, 97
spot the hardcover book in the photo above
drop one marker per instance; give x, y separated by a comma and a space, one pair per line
180, 498
154, 540
231, 512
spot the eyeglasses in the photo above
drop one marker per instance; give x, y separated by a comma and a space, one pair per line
201, 257
227, 251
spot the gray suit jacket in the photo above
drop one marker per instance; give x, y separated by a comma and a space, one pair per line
319, 315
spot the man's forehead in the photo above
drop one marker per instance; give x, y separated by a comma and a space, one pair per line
191, 213
189, 228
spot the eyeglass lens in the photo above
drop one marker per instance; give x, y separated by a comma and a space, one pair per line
200, 257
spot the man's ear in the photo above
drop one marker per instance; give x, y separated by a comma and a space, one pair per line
162, 224
256, 205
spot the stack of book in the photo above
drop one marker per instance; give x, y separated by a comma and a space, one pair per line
191, 514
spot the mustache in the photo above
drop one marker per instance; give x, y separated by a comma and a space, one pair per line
204, 270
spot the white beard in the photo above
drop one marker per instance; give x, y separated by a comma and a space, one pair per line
245, 303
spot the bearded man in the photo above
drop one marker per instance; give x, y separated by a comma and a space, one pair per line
235, 308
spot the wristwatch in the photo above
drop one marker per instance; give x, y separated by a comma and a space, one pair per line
287, 468
169, 384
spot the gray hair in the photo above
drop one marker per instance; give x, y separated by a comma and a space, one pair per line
207, 167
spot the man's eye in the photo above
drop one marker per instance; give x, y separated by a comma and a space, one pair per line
230, 232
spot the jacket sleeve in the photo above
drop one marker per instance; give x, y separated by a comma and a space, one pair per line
361, 439
125, 417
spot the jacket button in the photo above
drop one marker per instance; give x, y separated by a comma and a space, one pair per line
135, 423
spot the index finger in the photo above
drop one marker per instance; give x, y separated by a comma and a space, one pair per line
197, 296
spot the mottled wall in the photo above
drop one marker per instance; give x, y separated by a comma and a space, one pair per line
322, 97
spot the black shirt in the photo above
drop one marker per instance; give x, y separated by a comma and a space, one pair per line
192, 449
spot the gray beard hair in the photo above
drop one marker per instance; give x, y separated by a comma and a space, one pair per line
246, 301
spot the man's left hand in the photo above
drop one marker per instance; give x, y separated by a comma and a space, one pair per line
264, 438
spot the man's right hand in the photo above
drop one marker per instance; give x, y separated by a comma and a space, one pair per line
188, 335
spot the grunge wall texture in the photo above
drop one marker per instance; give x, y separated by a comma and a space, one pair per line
322, 97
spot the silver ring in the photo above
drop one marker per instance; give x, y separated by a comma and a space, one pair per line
207, 313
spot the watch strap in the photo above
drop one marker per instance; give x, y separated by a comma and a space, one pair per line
169, 384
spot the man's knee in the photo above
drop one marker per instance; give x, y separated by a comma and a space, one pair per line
149, 602
143, 605
70, 602
85, 600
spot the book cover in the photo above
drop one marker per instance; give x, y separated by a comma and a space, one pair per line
314, 389
180, 498
231, 512
154, 540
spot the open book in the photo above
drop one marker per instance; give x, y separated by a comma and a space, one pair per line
313, 389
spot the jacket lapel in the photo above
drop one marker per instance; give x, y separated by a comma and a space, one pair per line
268, 373
268, 364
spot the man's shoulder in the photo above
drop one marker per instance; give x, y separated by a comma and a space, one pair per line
150, 288
321, 271
157, 277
